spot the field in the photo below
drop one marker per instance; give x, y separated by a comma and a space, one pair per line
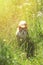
11, 12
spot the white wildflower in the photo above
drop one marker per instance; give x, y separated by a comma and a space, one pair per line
39, 13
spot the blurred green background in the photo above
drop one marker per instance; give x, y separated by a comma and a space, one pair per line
11, 12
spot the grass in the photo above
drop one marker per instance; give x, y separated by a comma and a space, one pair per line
14, 55
10, 53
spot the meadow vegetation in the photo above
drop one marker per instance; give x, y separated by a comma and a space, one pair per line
11, 12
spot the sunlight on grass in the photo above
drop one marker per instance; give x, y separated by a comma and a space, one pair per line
11, 12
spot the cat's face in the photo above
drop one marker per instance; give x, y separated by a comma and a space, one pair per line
22, 33
22, 30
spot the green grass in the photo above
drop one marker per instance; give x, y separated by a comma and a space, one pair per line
10, 53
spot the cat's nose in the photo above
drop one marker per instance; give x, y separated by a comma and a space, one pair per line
23, 31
